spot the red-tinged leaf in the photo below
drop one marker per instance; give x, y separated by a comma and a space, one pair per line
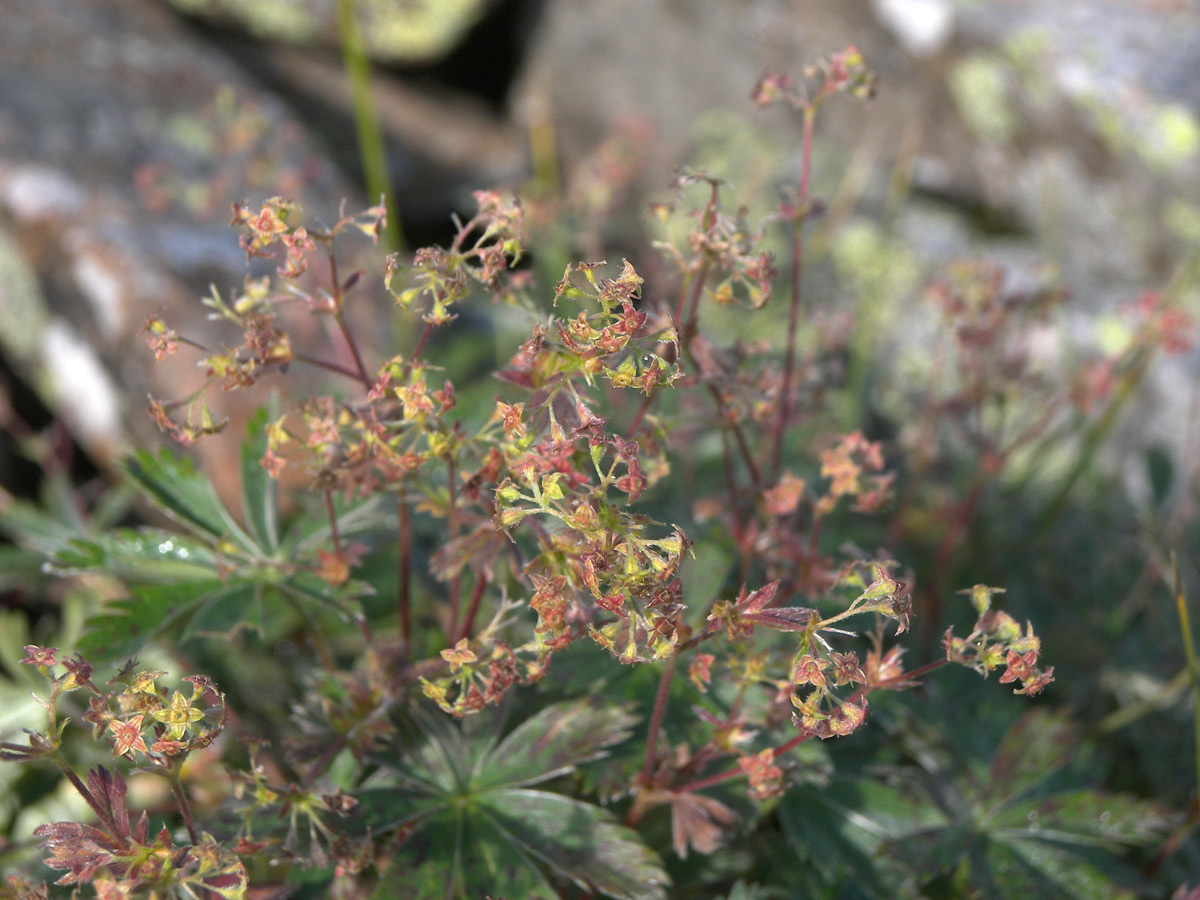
759, 598
109, 789
698, 821
79, 850
787, 618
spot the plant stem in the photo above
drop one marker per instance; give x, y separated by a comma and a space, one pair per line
787, 745
333, 528
371, 148
656, 718
185, 808
476, 596
637, 419
404, 541
789, 359
421, 341
1189, 649
1093, 440
331, 367
452, 527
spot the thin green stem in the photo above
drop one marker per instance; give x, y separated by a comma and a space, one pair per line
371, 148
1189, 649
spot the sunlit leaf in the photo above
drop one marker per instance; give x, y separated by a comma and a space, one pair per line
174, 486
260, 502
553, 742
146, 555
580, 841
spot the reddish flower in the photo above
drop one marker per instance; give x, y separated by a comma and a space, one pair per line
128, 736
809, 670
81, 672
39, 656
765, 777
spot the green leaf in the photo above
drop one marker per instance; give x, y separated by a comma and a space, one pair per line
1036, 747
460, 855
1034, 870
30, 527
226, 612
452, 790
554, 742
260, 500
173, 485
125, 626
1086, 818
839, 828
580, 841
146, 555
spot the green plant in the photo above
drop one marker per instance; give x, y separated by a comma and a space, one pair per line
493, 550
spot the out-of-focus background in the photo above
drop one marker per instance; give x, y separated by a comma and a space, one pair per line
1060, 136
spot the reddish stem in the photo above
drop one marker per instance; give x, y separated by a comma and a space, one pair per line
339, 300
789, 360
473, 607
656, 717
404, 542
452, 523
330, 367
787, 745
333, 528
421, 341
637, 419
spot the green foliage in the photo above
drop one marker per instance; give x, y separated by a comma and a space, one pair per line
642, 546
464, 798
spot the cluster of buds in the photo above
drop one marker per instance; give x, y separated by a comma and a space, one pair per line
998, 640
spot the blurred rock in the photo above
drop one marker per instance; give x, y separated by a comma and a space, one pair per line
122, 143
1064, 132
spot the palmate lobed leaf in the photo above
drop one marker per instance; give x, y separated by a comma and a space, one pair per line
173, 485
147, 555
553, 743
460, 855
1004, 839
580, 841
840, 829
1038, 871
460, 792
1086, 818
125, 626
1037, 746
